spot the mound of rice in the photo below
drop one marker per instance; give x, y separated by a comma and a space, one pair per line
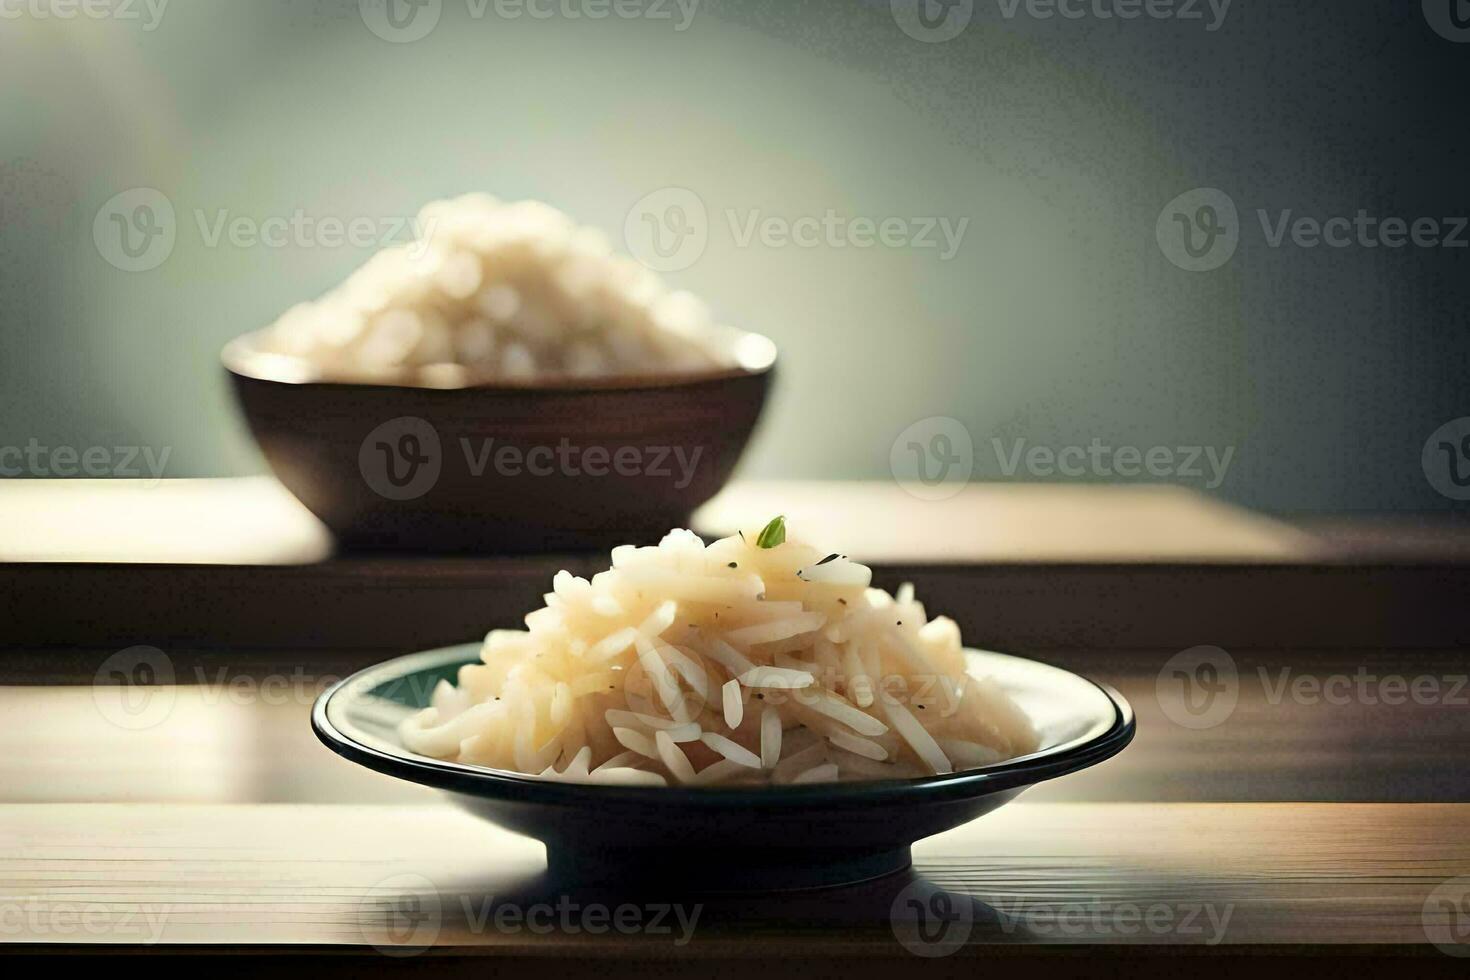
744, 661
494, 291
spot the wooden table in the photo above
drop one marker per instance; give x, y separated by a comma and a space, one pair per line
1297, 826
1213, 880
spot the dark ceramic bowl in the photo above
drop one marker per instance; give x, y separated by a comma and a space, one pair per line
564, 465
730, 839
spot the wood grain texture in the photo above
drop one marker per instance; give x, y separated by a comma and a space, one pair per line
234, 729
192, 564
254, 521
400, 605
1209, 877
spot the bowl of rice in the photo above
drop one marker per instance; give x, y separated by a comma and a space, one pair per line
740, 715
505, 382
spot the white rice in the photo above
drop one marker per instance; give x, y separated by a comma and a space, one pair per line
496, 291
778, 667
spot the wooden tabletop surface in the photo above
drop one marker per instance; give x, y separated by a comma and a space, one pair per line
238, 564
1316, 817
1213, 876
254, 521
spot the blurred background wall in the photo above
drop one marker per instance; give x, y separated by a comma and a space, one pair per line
1059, 312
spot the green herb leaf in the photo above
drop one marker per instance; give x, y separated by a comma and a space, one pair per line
772, 534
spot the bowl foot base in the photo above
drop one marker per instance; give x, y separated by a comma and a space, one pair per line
723, 870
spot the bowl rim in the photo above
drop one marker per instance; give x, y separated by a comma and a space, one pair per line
243, 358
480, 781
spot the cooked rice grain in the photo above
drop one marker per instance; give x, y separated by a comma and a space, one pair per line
633, 678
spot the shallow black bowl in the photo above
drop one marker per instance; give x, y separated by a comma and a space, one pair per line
733, 839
